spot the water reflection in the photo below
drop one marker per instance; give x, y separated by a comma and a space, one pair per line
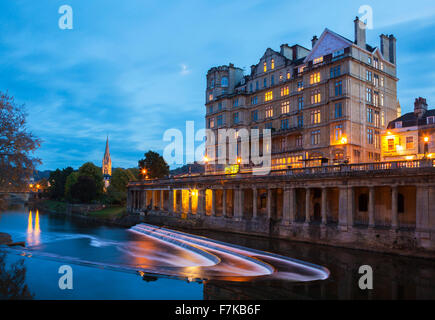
12, 280
33, 233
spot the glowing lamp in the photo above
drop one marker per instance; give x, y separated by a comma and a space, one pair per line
31, 185
205, 159
144, 171
239, 160
37, 186
343, 140
426, 139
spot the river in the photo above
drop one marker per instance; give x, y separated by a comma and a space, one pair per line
152, 263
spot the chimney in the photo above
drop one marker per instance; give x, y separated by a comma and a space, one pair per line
313, 41
392, 49
253, 69
360, 33
286, 51
385, 46
420, 107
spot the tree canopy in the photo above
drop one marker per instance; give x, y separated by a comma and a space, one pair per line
155, 165
16, 146
89, 169
57, 181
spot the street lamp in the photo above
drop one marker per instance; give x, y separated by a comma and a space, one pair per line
426, 146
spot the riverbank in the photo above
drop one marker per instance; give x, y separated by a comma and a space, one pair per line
114, 216
5, 238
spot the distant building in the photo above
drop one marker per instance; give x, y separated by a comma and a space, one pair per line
328, 104
410, 136
107, 165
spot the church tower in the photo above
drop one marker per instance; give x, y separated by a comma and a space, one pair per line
107, 161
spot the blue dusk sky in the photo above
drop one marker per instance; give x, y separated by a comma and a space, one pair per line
132, 69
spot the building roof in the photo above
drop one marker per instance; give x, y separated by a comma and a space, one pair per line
411, 119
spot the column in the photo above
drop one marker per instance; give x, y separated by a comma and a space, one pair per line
350, 205
286, 206
171, 201
213, 202
201, 202
153, 197
189, 202
371, 207
144, 199
254, 203
224, 202
425, 213
162, 200
324, 204
307, 204
342, 207
128, 200
238, 204
269, 203
180, 203
394, 213
292, 205
242, 203
133, 193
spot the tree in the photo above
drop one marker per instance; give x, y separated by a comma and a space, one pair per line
13, 280
155, 165
120, 179
89, 169
16, 146
57, 181
84, 190
70, 181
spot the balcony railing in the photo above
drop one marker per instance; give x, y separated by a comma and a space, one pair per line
306, 171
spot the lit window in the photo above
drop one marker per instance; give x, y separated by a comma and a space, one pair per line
285, 107
382, 118
409, 142
300, 85
315, 137
315, 117
315, 97
284, 91
269, 112
211, 122
390, 144
268, 96
288, 75
338, 132
381, 100
315, 78
265, 66
382, 81
272, 64
281, 77
210, 97
318, 60
301, 69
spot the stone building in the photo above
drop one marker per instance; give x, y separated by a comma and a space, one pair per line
328, 104
410, 136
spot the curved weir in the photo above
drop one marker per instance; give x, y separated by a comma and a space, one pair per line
235, 263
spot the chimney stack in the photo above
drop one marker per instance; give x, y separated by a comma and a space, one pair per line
313, 41
385, 46
360, 33
392, 49
420, 106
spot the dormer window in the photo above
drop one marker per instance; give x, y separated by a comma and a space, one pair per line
398, 124
272, 64
318, 60
430, 120
224, 82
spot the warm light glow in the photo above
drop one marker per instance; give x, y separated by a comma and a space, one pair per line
37, 229
30, 223
343, 140
38, 186
430, 155
239, 160
205, 159
31, 185
399, 148
144, 171
409, 157
389, 133
426, 139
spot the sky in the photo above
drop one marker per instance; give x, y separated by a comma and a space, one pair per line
132, 69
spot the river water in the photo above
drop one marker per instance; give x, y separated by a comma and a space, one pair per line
145, 262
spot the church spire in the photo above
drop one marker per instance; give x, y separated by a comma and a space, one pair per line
107, 161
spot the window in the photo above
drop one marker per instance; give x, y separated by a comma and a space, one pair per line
315, 116
398, 124
210, 109
236, 102
269, 112
300, 103
285, 107
272, 64
268, 125
281, 77
376, 98
381, 100
264, 83
250, 87
338, 53
288, 75
256, 85
268, 96
338, 132
210, 97
254, 100
376, 63
211, 122
299, 141
369, 95
430, 120
219, 120
272, 80
300, 121
315, 78
254, 115
338, 88
370, 139
377, 118
224, 82
315, 96
390, 144
338, 110
284, 91
219, 106
315, 137
369, 115
409, 143
264, 66
382, 118
335, 72
284, 124
212, 83
369, 60
376, 80
236, 118
318, 60
300, 85
369, 76
377, 140
382, 81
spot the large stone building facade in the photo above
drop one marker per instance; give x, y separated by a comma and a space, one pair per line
324, 105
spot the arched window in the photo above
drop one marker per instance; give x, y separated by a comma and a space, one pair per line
363, 202
224, 82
